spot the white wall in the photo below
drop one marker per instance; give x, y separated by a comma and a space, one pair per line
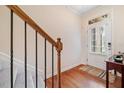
117, 33
118, 27
57, 21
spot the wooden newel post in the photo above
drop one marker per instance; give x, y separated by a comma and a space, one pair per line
59, 49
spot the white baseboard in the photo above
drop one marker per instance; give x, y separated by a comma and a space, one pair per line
68, 67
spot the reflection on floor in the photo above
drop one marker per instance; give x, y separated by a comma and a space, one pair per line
75, 78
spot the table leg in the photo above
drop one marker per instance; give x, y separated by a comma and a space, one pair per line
122, 78
115, 72
107, 75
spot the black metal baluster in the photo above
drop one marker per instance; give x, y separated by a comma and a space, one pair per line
45, 63
11, 49
36, 63
52, 66
25, 55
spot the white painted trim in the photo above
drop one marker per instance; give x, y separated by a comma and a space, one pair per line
6, 57
70, 66
65, 68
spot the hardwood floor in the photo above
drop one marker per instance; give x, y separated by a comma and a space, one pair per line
74, 78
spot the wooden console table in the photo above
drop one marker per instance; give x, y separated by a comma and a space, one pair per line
110, 65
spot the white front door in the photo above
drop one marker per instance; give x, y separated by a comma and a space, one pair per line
99, 43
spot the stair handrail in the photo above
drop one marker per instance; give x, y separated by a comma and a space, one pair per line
18, 11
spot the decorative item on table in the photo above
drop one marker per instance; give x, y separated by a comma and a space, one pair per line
119, 57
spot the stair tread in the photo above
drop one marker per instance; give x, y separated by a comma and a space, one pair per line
18, 74
5, 77
41, 83
20, 81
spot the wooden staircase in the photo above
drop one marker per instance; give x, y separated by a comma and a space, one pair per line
55, 43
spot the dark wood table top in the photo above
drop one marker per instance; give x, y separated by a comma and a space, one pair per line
111, 61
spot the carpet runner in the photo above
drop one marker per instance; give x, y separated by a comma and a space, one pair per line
97, 72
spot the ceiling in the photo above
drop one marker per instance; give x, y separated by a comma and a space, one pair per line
80, 9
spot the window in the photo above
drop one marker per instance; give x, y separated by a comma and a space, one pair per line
93, 39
